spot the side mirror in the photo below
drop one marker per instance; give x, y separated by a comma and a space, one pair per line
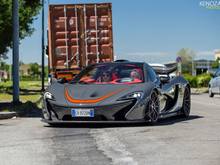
164, 79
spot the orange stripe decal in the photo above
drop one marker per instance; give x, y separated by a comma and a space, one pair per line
78, 101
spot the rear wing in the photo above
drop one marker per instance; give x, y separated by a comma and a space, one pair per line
162, 69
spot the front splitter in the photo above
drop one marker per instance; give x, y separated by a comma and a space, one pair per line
87, 122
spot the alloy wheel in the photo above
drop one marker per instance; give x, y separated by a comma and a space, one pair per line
186, 102
210, 92
153, 108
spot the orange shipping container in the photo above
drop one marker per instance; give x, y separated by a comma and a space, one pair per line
78, 35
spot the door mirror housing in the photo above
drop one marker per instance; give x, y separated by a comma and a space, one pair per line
164, 79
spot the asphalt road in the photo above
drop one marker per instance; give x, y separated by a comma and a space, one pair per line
196, 141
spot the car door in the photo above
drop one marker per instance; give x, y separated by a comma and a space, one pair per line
214, 85
217, 82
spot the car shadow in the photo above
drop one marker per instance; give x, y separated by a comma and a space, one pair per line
161, 122
177, 119
96, 125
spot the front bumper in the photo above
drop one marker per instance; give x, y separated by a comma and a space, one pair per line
129, 110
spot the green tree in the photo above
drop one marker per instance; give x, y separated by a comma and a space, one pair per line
4, 66
187, 55
34, 69
28, 9
46, 72
215, 65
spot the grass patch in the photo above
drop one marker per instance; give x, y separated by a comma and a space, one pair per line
5, 97
27, 109
29, 91
30, 97
28, 85
29, 104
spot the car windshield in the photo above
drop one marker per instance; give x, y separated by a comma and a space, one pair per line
112, 73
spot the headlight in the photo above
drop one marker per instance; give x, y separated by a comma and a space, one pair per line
48, 95
134, 95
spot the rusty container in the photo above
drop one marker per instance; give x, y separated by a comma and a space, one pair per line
79, 35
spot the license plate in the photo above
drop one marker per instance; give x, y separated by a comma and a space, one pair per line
82, 113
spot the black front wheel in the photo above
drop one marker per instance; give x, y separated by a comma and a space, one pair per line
210, 92
186, 102
153, 108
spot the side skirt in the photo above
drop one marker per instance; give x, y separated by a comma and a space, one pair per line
170, 114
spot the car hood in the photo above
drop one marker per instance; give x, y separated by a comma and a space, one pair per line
93, 94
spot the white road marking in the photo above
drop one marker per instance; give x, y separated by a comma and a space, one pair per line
112, 147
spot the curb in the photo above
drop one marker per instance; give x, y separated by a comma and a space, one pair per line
198, 93
7, 115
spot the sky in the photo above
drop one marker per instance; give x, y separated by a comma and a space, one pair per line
147, 30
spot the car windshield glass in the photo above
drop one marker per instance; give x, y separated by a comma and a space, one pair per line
111, 74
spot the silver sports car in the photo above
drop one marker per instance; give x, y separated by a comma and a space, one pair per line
118, 91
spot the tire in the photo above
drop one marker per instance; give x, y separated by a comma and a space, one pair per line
152, 113
186, 103
53, 125
210, 92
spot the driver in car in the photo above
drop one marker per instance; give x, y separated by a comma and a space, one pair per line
105, 77
136, 75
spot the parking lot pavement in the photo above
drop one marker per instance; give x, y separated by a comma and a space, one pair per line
171, 141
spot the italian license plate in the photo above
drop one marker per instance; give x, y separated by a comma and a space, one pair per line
82, 113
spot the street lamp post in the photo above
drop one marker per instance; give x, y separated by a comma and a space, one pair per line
43, 49
15, 51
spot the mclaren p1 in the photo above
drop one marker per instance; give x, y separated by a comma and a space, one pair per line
120, 91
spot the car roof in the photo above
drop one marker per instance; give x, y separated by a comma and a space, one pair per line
124, 62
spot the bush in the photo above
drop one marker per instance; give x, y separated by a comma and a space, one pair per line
203, 80
191, 79
198, 81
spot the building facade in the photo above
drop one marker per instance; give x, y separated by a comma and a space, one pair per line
203, 66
